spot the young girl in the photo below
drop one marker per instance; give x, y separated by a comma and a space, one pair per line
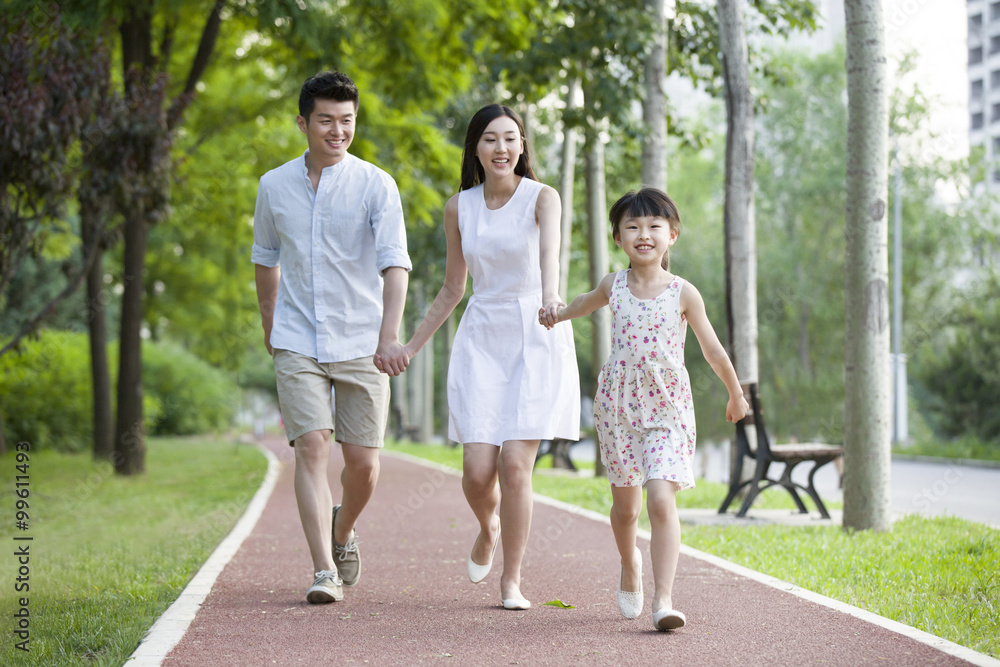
643, 412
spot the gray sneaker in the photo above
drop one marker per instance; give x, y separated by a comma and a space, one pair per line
346, 557
326, 588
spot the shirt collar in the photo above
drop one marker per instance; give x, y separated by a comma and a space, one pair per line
305, 168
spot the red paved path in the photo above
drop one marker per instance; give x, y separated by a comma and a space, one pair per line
414, 603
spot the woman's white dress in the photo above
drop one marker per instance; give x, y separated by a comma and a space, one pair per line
509, 378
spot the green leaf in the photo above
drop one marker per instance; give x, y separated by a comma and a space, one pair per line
558, 603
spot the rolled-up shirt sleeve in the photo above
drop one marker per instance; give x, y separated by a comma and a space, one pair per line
266, 243
387, 223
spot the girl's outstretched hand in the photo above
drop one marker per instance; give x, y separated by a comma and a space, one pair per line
736, 409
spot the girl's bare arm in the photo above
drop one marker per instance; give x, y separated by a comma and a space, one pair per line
693, 307
582, 305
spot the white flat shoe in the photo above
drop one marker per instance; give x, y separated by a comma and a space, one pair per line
478, 572
668, 619
630, 602
516, 603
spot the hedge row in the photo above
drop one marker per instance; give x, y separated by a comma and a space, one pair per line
46, 396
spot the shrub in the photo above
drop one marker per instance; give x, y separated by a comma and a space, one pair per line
962, 377
46, 395
194, 396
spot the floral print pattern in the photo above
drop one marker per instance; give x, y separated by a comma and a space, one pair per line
643, 411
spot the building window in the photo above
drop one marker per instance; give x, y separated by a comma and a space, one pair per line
976, 91
975, 55
995, 11
995, 112
975, 21
995, 79
977, 121
994, 44
996, 147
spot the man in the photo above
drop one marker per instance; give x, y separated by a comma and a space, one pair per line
331, 272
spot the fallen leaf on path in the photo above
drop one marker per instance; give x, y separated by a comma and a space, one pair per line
558, 603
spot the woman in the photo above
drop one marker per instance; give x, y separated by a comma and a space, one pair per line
510, 385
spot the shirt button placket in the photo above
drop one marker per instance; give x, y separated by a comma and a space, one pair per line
317, 263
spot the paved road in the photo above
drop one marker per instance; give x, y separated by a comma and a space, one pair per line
918, 487
414, 603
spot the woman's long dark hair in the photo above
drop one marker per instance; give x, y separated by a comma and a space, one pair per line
649, 202
472, 170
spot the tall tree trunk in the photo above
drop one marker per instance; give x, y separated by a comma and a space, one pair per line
528, 118
97, 322
447, 340
421, 380
597, 232
567, 174
151, 131
426, 393
130, 436
400, 404
654, 102
867, 407
740, 226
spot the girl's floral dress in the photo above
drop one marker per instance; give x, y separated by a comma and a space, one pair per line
643, 412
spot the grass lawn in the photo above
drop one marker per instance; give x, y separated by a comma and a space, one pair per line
938, 575
110, 554
960, 448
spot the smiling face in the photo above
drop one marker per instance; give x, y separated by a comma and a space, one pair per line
645, 239
329, 131
499, 147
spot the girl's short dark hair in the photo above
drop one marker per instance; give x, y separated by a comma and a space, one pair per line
335, 86
472, 170
650, 202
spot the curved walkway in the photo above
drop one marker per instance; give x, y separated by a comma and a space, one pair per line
414, 603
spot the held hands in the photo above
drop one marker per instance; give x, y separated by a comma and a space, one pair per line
736, 408
392, 358
549, 315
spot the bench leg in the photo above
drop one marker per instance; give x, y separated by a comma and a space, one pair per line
734, 486
789, 485
760, 475
811, 489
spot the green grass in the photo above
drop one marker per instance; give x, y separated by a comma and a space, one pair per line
594, 493
110, 554
967, 447
938, 575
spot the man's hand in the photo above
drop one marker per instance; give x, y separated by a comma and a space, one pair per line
391, 358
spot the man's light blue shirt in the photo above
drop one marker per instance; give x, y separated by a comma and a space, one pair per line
332, 245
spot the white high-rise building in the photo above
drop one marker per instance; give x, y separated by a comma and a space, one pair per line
984, 76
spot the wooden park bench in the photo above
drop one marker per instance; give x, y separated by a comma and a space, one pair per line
558, 449
765, 454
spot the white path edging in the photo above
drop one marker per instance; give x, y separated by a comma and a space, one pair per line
171, 626
943, 645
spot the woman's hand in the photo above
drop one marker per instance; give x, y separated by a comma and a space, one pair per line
548, 315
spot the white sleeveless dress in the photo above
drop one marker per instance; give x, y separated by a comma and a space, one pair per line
509, 378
